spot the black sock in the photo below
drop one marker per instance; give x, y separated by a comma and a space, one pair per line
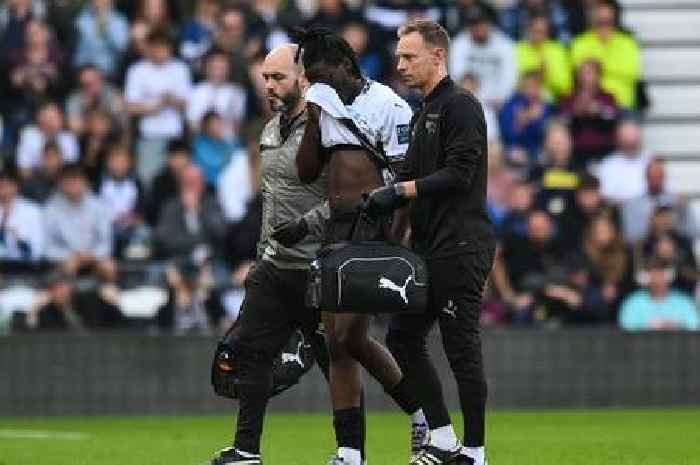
363, 410
254, 387
349, 427
404, 396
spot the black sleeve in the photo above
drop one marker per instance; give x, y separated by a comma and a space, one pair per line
463, 132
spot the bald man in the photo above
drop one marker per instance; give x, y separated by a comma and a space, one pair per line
292, 227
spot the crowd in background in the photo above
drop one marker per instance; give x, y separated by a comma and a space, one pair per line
130, 156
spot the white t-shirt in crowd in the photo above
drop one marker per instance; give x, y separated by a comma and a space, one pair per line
377, 111
23, 224
492, 62
622, 177
234, 188
146, 83
228, 100
31, 147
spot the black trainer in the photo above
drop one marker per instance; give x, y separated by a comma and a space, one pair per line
231, 456
431, 455
464, 459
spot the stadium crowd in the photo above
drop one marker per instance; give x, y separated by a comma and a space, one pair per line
130, 133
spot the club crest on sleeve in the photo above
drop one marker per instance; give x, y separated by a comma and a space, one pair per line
403, 134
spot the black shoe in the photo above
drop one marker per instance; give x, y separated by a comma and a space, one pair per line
464, 459
231, 456
431, 455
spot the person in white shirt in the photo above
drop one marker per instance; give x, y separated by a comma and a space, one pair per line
78, 232
21, 232
622, 174
157, 91
489, 55
217, 94
33, 138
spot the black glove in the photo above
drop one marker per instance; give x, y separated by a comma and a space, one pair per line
382, 201
291, 232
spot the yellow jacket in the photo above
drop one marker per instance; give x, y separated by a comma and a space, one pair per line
620, 59
550, 57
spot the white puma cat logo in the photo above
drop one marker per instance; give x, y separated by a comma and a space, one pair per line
385, 283
287, 357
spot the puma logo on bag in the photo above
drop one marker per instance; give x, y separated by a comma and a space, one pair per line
287, 357
385, 283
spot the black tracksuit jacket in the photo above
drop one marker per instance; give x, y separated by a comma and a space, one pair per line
447, 158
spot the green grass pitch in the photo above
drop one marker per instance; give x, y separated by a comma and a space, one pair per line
585, 437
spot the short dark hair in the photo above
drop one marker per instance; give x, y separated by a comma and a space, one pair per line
210, 115
178, 146
72, 171
322, 45
432, 33
160, 37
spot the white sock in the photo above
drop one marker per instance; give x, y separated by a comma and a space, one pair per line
476, 453
417, 418
247, 454
350, 456
444, 438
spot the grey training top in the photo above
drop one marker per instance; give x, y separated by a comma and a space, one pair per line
286, 198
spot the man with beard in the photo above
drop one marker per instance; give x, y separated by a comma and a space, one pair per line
274, 303
339, 98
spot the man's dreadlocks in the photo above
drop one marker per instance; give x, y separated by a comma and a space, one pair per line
320, 44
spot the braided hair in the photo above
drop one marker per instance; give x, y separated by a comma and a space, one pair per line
321, 44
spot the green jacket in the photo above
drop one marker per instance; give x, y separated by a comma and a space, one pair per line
620, 59
553, 59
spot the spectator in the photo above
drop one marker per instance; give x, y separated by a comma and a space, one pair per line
78, 233
34, 73
197, 33
488, 54
629, 162
458, 13
588, 204
520, 202
557, 178
577, 299
236, 185
549, 57
103, 37
637, 212
524, 266
65, 309
157, 90
518, 19
500, 185
592, 115
493, 133
372, 61
21, 232
523, 121
191, 225
156, 15
658, 306
617, 52
94, 93
48, 128
165, 186
331, 14
193, 306
44, 181
137, 50
606, 253
14, 17
100, 133
664, 241
211, 150
121, 196
217, 94
230, 36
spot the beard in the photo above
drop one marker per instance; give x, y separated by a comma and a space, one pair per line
286, 102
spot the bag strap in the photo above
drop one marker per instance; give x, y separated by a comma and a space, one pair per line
378, 154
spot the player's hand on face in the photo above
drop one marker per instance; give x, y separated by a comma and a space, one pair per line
291, 232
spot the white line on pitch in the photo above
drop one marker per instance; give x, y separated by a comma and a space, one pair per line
36, 434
